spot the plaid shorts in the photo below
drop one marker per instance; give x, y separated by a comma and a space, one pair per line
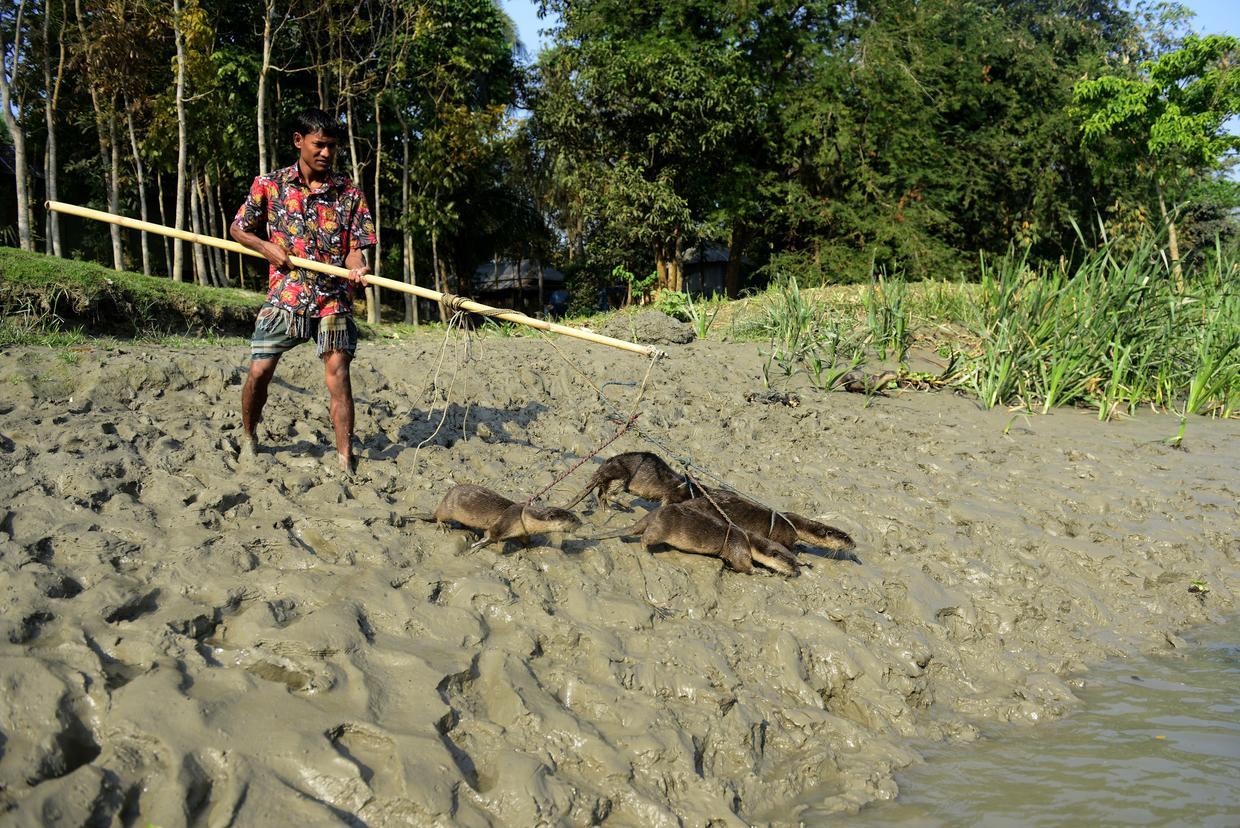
277, 331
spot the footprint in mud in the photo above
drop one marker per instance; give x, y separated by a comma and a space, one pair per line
213, 788
134, 609
73, 746
365, 747
30, 627
283, 611
303, 674
58, 585
116, 673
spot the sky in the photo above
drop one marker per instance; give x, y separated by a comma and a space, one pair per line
1213, 17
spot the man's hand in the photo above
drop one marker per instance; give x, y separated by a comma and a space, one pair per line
277, 255
357, 275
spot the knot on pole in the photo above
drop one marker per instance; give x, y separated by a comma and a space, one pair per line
454, 303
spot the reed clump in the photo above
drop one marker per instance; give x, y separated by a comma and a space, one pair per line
1108, 332
1111, 333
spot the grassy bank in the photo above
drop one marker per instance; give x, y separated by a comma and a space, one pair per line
49, 300
1112, 334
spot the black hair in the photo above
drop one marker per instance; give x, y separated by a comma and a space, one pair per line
309, 121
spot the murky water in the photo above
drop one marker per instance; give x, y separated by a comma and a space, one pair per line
1157, 743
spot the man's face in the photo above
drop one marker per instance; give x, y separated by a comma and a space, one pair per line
316, 150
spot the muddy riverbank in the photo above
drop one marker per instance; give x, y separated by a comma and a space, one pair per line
186, 638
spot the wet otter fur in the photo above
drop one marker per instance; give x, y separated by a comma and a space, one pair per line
690, 530
498, 518
641, 473
785, 528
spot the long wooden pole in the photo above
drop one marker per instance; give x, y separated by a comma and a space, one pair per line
320, 267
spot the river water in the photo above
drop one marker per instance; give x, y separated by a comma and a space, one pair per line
1157, 742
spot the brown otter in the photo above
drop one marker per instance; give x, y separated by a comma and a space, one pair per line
785, 528
641, 473
691, 530
499, 518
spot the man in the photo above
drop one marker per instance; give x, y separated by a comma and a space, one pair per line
313, 212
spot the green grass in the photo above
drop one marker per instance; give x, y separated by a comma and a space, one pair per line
44, 297
1113, 333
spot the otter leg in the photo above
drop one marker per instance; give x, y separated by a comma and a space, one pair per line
736, 554
485, 540
601, 495
776, 561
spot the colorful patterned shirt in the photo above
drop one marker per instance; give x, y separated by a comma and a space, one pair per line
324, 225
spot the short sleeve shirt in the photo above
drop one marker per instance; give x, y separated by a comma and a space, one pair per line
324, 225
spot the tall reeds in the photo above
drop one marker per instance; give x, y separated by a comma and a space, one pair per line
1110, 332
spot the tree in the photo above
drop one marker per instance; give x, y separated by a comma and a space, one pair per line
1167, 122
11, 64
641, 101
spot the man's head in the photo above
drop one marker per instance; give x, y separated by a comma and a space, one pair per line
315, 134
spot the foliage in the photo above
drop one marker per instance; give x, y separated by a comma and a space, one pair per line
1112, 334
817, 141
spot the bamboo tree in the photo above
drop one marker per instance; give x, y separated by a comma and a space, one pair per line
140, 174
182, 140
9, 109
51, 101
105, 127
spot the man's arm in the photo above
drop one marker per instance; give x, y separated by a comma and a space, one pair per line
250, 217
271, 251
358, 269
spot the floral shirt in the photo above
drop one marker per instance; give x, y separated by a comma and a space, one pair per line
324, 225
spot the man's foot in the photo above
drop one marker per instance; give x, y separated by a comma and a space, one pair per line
347, 464
249, 448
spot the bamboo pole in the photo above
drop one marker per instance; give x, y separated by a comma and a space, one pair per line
320, 267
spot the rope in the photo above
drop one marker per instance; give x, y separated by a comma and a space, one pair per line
627, 425
684, 462
625, 422
457, 321
456, 304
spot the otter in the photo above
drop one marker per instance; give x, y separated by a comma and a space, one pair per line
694, 531
499, 518
785, 528
641, 473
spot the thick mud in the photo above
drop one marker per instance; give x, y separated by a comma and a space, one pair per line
186, 639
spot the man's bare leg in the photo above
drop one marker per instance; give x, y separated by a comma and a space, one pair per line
339, 385
253, 398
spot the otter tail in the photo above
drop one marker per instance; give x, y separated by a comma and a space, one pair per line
579, 497
626, 532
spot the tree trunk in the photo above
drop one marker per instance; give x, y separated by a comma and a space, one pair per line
8, 82
163, 219
211, 220
407, 262
260, 107
1173, 238
354, 161
221, 228
114, 190
373, 298
104, 153
443, 309
51, 99
182, 142
732, 273
202, 274
141, 173
663, 282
